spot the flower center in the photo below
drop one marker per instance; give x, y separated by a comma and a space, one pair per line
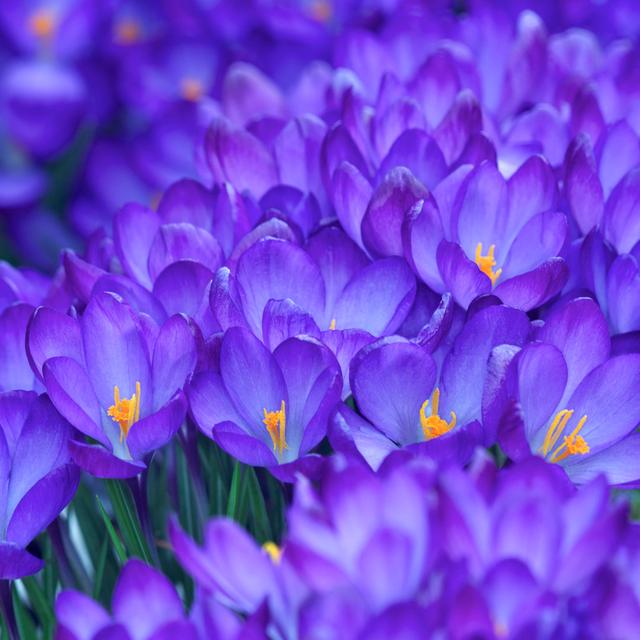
434, 426
125, 411
332, 325
191, 89
127, 31
273, 551
321, 10
276, 423
571, 445
487, 263
42, 23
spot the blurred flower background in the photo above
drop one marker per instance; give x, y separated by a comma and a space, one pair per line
319, 319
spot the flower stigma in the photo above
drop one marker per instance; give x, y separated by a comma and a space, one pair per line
42, 23
434, 426
276, 423
571, 445
127, 32
125, 411
487, 263
191, 89
273, 551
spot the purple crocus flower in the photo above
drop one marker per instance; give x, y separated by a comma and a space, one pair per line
407, 400
38, 478
145, 606
117, 377
530, 543
268, 409
332, 283
575, 407
482, 234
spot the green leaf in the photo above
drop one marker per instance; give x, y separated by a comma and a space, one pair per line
26, 628
120, 551
258, 509
41, 605
98, 577
234, 491
127, 519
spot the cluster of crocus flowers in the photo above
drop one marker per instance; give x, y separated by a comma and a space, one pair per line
379, 308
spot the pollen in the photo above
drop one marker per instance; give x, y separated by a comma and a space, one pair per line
572, 444
321, 10
191, 89
273, 551
487, 263
42, 23
433, 426
332, 326
276, 423
127, 32
125, 411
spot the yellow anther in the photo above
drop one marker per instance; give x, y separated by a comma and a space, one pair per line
332, 325
127, 32
273, 551
126, 411
191, 89
43, 23
434, 426
573, 444
487, 263
276, 423
321, 10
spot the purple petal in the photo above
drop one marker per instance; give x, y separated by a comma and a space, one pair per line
575, 324
461, 277
351, 193
16, 562
482, 212
15, 369
378, 298
283, 319
582, 185
541, 238
183, 241
51, 333
100, 463
621, 223
144, 599
245, 447
107, 321
619, 152
42, 504
78, 614
70, 390
624, 294
529, 290
463, 119
422, 234
236, 156
134, 228
419, 153
155, 430
276, 270
382, 222
174, 359
252, 379
390, 381
607, 397
345, 344
314, 382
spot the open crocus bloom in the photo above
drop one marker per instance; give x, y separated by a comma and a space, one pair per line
406, 401
480, 233
37, 476
267, 409
116, 377
574, 406
145, 605
332, 282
